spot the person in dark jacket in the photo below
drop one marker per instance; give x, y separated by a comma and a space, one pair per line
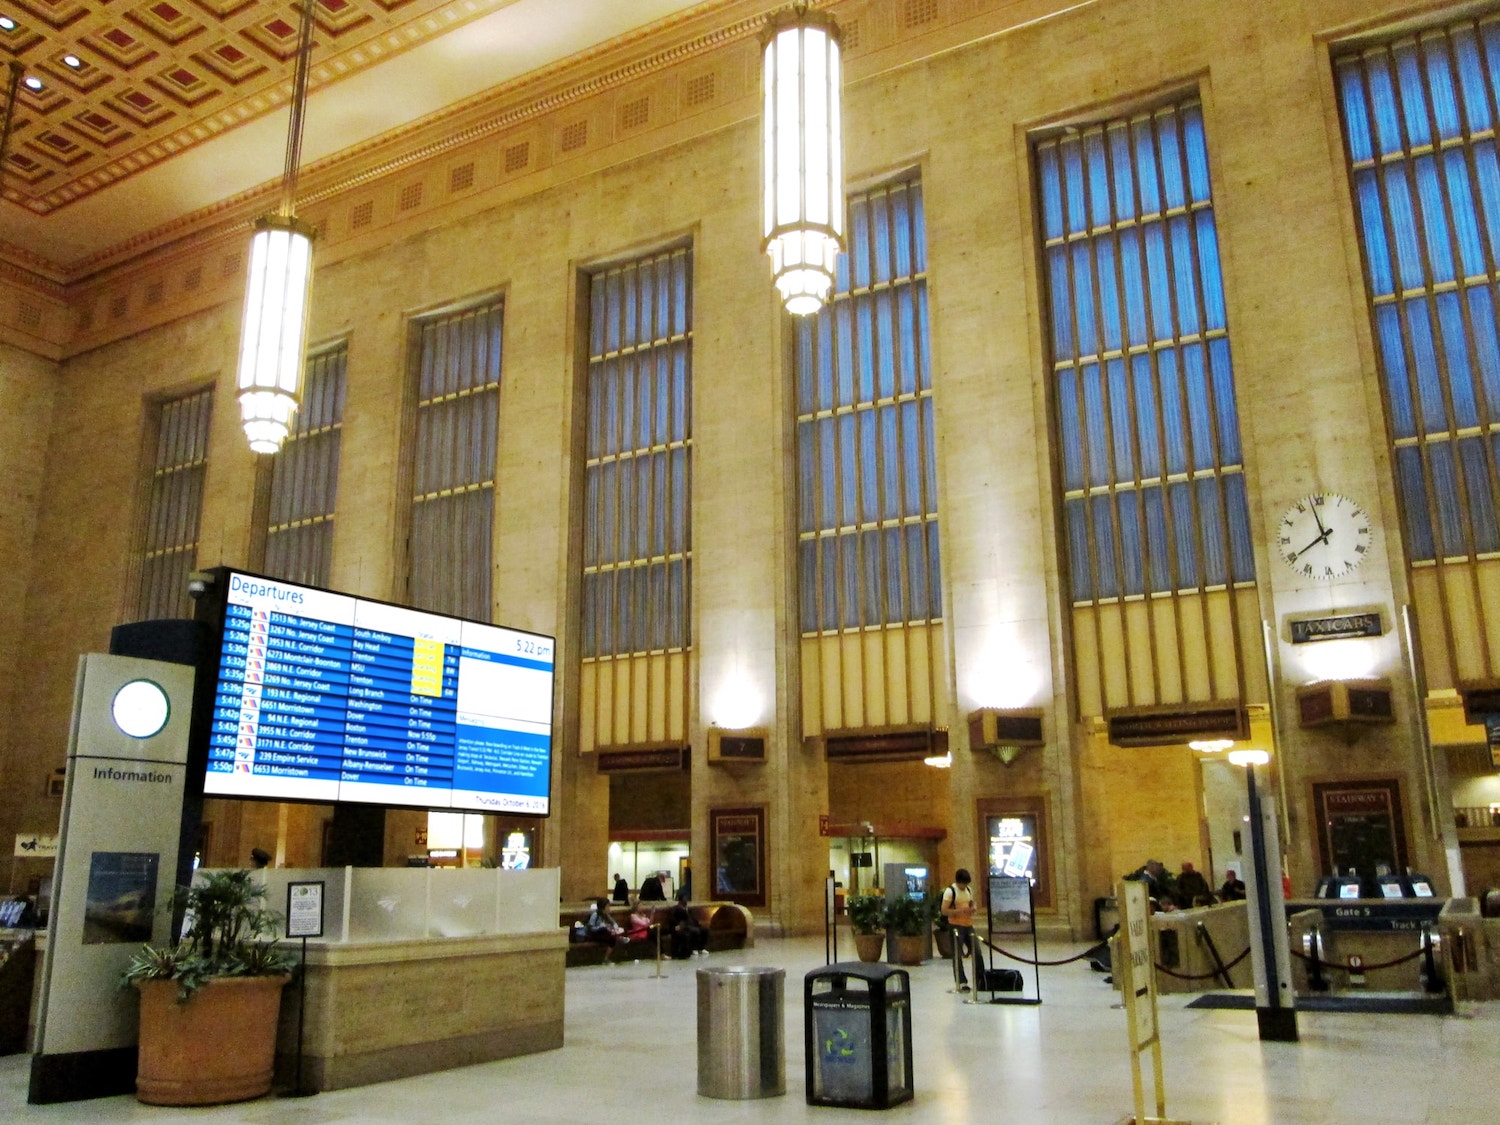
621, 892
1193, 889
651, 889
1233, 889
688, 938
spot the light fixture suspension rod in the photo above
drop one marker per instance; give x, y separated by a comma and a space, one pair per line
299, 111
17, 68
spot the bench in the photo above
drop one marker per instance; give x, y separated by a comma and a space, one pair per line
729, 927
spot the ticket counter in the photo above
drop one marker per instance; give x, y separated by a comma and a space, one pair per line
422, 969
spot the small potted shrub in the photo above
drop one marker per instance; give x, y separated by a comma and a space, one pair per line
209, 1003
942, 929
866, 918
907, 921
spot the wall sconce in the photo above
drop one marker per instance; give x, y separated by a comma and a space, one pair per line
1350, 704
1006, 731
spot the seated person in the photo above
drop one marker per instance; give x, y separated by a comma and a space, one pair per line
1193, 888
638, 926
688, 938
1233, 889
603, 929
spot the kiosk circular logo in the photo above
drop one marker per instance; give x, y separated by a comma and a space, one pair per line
140, 708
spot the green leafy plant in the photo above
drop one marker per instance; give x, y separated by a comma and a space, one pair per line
228, 931
933, 904
866, 913
907, 917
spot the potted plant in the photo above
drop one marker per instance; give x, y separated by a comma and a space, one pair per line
866, 917
907, 920
209, 1003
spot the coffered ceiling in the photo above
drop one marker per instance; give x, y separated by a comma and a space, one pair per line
136, 112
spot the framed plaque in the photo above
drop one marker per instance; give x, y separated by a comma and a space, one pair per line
737, 838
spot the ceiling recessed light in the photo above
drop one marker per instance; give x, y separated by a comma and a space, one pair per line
7, 24
73, 60
33, 82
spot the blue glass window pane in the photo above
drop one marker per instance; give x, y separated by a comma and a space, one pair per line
1123, 167
1119, 418
1209, 273
1174, 417
1097, 188
1184, 271
1196, 147
1156, 538
1383, 101
1456, 355
1412, 96
1096, 452
1486, 347
934, 572
1102, 517
1429, 384
1170, 153
1226, 412
1211, 528
1445, 490
1072, 164
1131, 546
1410, 475
1109, 292
1403, 225
1145, 417
1471, 80
1356, 116
1083, 300
1393, 363
1132, 269
859, 247
919, 232
1147, 183
1465, 220
1481, 496
1372, 225
1488, 174
1184, 539
1434, 220
1242, 555
1444, 98
1159, 282
1076, 512
1072, 438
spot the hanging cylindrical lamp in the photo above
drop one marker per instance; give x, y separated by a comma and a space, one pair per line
803, 155
274, 331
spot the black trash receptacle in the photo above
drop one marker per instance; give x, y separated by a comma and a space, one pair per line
857, 1016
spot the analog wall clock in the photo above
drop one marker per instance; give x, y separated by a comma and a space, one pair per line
1324, 536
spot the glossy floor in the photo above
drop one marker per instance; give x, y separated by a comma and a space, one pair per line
631, 1056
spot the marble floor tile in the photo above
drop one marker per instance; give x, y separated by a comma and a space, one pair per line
631, 1052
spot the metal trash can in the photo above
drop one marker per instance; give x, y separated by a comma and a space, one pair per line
857, 1017
741, 1045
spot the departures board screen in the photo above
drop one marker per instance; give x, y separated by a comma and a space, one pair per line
325, 697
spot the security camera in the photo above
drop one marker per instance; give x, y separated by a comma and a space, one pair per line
200, 582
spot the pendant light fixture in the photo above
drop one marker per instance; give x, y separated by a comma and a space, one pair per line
274, 330
803, 154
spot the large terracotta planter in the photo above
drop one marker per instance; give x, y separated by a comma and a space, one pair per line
868, 946
910, 949
218, 1047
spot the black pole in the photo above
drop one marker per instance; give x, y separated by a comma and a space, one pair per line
1036, 957
1275, 1021
298, 1090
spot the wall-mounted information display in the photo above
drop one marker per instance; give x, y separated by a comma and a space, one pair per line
326, 697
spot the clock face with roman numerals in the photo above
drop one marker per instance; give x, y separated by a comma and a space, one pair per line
1324, 536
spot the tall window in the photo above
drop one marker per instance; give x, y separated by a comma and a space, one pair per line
637, 541
305, 476
1419, 121
169, 534
457, 374
867, 521
1154, 489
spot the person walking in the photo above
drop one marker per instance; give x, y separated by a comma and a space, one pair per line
958, 909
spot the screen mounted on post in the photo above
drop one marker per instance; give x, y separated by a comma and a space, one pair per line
325, 697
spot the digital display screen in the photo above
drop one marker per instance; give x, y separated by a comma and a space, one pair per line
326, 697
